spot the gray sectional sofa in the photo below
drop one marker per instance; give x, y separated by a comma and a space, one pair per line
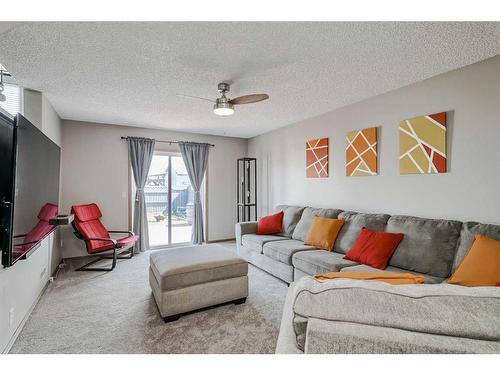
429, 247
354, 316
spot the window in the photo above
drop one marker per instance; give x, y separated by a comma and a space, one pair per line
12, 103
169, 201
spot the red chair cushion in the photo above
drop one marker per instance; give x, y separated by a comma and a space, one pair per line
270, 224
121, 242
126, 241
48, 211
374, 248
86, 212
87, 223
40, 230
93, 229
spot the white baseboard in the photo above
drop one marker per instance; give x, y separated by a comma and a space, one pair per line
222, 240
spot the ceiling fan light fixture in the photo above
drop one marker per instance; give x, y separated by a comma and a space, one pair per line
223, 109
224, 106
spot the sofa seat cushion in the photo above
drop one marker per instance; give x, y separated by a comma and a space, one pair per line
314, 262
255, 242
428, 245
282, 251
307, 218
186, 266
354, 222
364, 268
291, 216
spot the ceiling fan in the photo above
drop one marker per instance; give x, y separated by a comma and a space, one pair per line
224, 106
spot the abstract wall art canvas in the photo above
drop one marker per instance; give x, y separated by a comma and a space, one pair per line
317, 158
361, 152
422, 144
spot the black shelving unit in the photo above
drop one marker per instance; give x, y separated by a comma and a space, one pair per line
246, 181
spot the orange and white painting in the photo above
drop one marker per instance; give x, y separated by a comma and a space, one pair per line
317, 158
422, 144
361, 152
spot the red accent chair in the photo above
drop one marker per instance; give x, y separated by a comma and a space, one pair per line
38, 232
88, 227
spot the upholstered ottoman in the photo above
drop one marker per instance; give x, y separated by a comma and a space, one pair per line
186, 279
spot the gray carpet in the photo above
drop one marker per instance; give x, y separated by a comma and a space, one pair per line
114, 312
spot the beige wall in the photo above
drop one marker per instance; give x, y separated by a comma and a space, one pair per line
95, 168
38, 109
32, 107
51, 123
469, 191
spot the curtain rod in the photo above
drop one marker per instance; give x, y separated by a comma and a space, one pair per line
210, 144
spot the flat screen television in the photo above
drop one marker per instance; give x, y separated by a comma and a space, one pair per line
29, 187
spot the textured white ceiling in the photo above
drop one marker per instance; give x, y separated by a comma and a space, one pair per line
129, 73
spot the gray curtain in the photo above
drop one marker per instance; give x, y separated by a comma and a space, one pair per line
195, 157
140, 151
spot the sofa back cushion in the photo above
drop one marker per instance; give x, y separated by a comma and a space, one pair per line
354, 222
307, 218
291, 217
469, 230
428, 245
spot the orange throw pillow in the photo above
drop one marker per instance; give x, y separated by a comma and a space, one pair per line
323, 232
481, 264
374, 248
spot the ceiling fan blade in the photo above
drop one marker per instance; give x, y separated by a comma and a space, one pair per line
248, 99
195, 97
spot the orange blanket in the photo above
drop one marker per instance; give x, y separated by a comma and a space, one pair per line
387, 277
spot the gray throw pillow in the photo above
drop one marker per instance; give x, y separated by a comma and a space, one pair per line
291, 217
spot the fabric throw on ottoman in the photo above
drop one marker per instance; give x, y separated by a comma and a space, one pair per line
185, 279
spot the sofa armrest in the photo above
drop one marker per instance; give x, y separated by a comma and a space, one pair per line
287, 343
246, 227
333, 337
437, 309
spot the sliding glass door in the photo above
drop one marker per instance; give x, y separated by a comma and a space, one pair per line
169, 201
